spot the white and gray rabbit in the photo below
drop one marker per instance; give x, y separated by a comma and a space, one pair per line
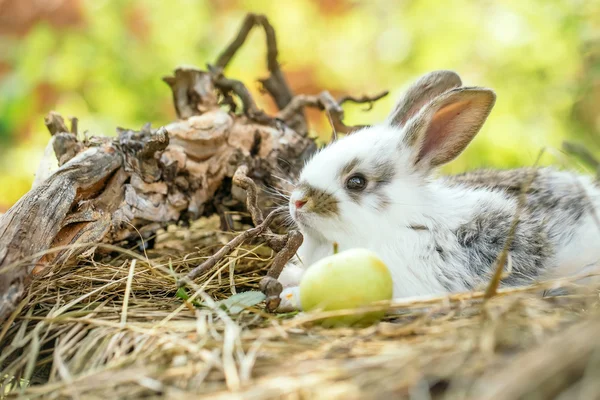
376, 189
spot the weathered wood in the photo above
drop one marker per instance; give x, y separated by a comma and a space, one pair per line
105, 189
32, 224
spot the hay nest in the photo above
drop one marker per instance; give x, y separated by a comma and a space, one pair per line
112, 326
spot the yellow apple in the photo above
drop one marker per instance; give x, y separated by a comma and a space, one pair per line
346, 280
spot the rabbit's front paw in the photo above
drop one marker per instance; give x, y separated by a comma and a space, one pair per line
291, 275
290, 300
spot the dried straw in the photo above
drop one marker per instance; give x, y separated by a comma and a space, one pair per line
110, 326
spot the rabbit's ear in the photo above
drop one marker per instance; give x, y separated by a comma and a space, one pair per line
423, 91
444, 127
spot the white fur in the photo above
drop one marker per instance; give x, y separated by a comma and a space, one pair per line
579, 252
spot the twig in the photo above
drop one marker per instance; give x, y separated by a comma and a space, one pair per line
275, 84
235, 242
584, 154
239, 40
364, 99
297, 103
241, 179
325, 101
492, 287
292, 107
269, 285
285, 245
127, 292
227, 85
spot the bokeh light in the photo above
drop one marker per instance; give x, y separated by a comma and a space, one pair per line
102, 61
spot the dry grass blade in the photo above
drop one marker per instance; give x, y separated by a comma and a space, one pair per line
542, 370
127, 293
504, 255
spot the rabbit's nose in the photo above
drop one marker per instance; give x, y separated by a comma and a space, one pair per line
299, 203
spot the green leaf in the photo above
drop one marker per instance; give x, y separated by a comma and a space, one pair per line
238, 302
182, 294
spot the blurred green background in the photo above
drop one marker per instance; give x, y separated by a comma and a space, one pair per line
102, 61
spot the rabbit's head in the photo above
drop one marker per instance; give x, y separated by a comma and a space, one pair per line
377, 175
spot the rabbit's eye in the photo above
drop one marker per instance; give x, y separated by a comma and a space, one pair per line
356, 183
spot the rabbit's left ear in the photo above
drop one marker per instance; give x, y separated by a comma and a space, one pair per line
444, 127
420, 93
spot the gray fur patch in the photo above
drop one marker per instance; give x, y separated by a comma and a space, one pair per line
484, 237
349, 168
355, 196
553, 198
452, 282
383, 173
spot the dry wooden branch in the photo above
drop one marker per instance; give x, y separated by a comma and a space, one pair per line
325, 101
226, 85
269, 285
276, 83
363, 99
241, 179
292, 107
286, 245
39, 221
225, 250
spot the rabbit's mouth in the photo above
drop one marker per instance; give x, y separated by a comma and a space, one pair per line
308, 224
302, 211
301, 217
298, 216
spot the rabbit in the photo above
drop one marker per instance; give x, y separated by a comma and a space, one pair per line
377, 189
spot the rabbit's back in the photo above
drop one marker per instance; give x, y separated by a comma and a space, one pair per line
562, 206
558, 197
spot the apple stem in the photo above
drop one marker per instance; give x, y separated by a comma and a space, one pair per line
335, 247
